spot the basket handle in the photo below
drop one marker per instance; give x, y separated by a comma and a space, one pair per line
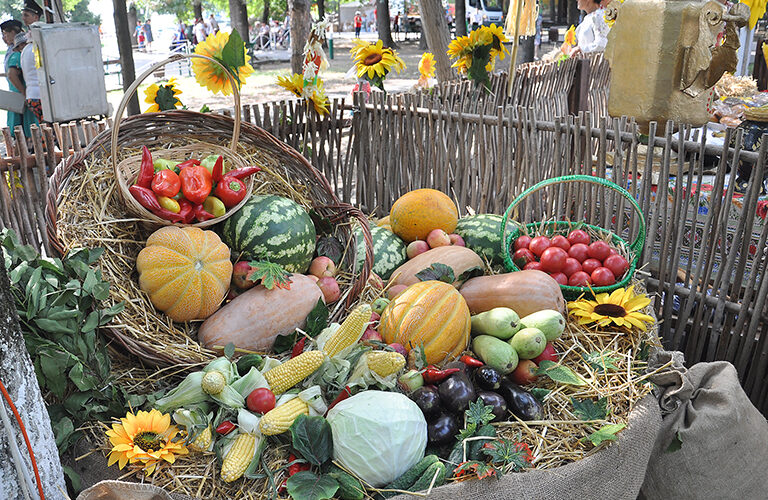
174, 58
636, 245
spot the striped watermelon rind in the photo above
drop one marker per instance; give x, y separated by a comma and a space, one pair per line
481, 234
388, 251
272, 228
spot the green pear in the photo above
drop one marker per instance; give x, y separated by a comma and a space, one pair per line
501, 322
529, 343
549, 321
495, 353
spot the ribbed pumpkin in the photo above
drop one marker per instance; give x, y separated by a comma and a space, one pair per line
429, 313
418, 212
186, 271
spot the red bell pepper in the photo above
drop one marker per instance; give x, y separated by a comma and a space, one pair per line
201, 214
166, 183
230, 190
345, 394
298, 348
225, 428
186, 211
470, 361
196, 183
147, 169
147, 199
189, 163
433, 375
242, 173
218, 169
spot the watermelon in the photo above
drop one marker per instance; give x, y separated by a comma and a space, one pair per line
388, 251
481, 235
272, 228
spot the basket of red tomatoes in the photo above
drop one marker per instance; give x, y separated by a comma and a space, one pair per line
583, 258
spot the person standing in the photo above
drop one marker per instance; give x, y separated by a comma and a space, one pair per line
31, 12
396, 25
148, 34
199, 31
140, 37
592, 31
214, 25
11, 30
31, 79
358, 24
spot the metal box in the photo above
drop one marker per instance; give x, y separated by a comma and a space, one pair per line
71, 71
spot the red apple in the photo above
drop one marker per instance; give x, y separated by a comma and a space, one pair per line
578, 236
375, 316
553, 259
539, 244
240, 272
376, 282
370, 334
415, 248
438, 238
330, 289
457, 240
549, 354
322, 266
602, 276
525, 373
395, 291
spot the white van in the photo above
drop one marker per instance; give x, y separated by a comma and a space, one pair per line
484, 12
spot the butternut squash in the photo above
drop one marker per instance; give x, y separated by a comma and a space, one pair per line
460, 259
525, 292
254, 319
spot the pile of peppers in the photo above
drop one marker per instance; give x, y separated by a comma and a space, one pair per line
188, 192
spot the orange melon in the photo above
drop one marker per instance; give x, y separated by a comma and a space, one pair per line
185, 271
418, 212
431, 314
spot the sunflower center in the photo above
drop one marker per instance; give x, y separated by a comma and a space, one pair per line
148, 441
610, 310
372, 59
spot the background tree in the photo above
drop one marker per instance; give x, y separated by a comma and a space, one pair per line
126, 52
460, 19
80, 13
573, 12
12, 8
197, 8
435, 27
300, 19
133, 16
383, 23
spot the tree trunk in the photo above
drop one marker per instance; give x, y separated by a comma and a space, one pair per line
18, 376
197, 7
299, 10
553, 11
320, 10
126, 52
422, 40
562, 11
573, 13
461, 18
265, 13
382, 23
245, 34
133, 17
435, 27
236, 18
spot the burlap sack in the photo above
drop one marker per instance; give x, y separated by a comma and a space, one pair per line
120, 490
722, 437
615, 472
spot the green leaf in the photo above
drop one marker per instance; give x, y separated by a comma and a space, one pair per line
586, 409
471, 273
74, 478
91, 322
605, 433
229, 350
560, 373
78, 378
51, 326
205, 109
676, 444
305, 485
600, 362
62, 429
479, 413
475, 468
284, 343
317, 320
271, 275
508, 454
101, 291
323, 224
540, 393
311, 437
165, 99
62, 314
233, 54
437, 271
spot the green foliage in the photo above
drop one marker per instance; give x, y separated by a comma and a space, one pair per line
604, 433
12, 8
508, 455
60, 303
600, 362
311, 437
559, 373
586, 409
78, 12
306, 485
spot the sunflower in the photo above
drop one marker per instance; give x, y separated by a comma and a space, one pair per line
498, 39
293, 83
212, 75
318, 98
427, 65
459, 47
621, 307
162, 97
375, 60
145, 437
570, 36
314, 94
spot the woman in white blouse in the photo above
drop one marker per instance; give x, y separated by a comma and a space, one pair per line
592, 31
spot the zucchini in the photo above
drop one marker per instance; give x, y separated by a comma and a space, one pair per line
410, 476
349, 487
436, 471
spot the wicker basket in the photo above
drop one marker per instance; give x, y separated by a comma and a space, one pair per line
127, 169
182, 127
510, 232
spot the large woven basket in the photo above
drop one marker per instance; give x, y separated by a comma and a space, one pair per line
181, 127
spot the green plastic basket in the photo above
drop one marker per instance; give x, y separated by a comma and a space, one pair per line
562, 227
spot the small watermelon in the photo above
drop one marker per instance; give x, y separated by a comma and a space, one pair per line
388, 251
481, 235
272, 228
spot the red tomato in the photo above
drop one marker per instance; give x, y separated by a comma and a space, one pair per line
260, 400
579, 252
578, 236
533, 265
590, 265
579, 278
571, 266
523, 256
617, 264
553, 258
560, 278
613, 252
539, 244
522, 242
599, 250
560, 241
602, 276
549, 354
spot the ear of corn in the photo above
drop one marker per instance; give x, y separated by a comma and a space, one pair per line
213, 382
279, 420
238, 457
283, 377
203, 441
385, 363
350, 331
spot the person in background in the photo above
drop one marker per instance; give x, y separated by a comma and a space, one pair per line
213, 24
396, 24
31, 12
140, 37
199, 31
30, 76
592, 31
12, 29
189, 33
358, 22
477, 19
148, 34
537, 36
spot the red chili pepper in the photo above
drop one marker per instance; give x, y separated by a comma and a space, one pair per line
186, 211
242, 173
218, 169
201, 214
298, 348
470, 361
230, 190
346, 393
225, 428
297, 467
166, 183
147, 199
196, 183
188, 163
433, 375
147, 170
